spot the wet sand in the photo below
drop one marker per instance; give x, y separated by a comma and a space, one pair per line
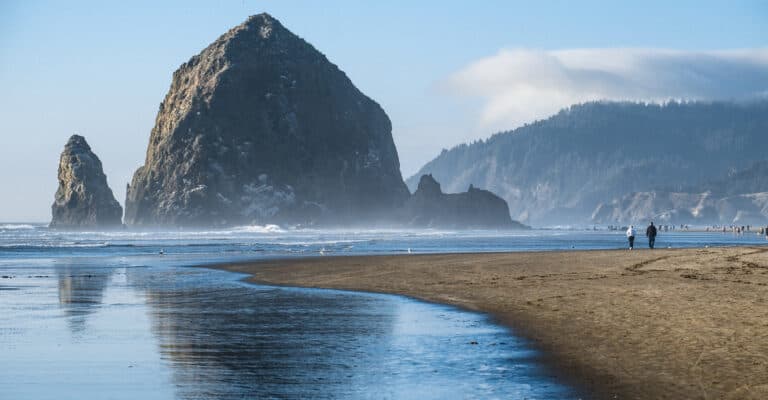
662, 324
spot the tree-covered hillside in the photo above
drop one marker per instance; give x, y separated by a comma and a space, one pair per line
557, 170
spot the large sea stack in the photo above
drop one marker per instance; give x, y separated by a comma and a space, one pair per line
83, 199
260, 127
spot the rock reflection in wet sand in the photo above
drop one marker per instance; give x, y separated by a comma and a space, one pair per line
233, 340
99, 328
81, 291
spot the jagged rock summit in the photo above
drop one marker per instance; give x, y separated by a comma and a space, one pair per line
261, 128
83, 199
476, 208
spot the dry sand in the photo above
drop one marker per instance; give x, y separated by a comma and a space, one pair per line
662, 324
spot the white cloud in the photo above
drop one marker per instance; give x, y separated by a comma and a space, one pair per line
521, 85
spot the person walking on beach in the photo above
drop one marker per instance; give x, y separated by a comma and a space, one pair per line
651, 233
631, 236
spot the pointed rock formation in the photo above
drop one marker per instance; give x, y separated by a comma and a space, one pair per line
83, 200
475, 208
261, 128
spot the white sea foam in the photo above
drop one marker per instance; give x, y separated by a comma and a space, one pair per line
12, 227
319, 242
259, 229
45, 245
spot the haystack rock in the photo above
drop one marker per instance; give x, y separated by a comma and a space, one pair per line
261, 128
83, 200
475, 208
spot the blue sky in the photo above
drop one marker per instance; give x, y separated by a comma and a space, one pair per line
441, 69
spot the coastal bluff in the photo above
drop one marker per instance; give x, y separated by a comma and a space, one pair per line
585, 164
261, 127
738, 197
83, 198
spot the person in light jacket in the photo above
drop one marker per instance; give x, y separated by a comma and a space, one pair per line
631, 236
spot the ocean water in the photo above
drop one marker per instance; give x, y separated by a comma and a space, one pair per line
90, 315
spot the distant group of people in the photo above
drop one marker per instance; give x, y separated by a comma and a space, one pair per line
659, 228
739, 230
650, 232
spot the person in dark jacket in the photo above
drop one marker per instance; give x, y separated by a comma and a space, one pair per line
651, 233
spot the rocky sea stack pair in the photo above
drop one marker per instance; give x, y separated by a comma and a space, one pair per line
260, 127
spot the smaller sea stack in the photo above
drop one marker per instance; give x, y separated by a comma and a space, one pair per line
429, 207
83, 199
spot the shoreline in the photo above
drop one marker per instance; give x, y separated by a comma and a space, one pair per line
682, 323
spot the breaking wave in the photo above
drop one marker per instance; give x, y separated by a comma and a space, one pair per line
16, 227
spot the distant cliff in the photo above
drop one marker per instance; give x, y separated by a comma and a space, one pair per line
429, 207
83, 199
684, 208
741, 197
559, 170
261, 128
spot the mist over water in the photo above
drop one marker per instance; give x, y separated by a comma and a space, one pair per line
253, 242
104, 315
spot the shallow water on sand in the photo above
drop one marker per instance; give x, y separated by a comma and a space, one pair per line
103, 315
92, 328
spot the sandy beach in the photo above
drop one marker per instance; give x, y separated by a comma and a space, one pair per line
662, 324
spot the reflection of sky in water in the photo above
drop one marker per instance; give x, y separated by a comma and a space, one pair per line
100, 328
77, 333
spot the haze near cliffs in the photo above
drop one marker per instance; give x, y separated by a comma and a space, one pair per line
739, 197
258, 127
261, 128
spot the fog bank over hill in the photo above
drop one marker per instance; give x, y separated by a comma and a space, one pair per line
560, 169
522, 85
